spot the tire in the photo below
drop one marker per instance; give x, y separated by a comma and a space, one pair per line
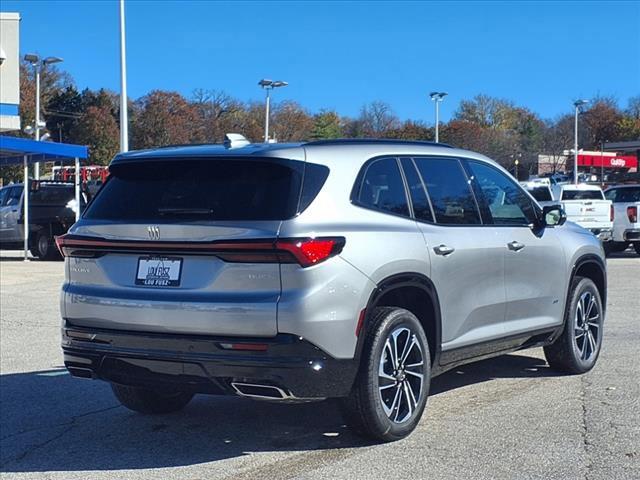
392, 412
636, 247
577, 349
43, 248
614, 247
149, 401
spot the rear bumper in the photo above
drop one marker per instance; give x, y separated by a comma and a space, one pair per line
201, 364
632, 235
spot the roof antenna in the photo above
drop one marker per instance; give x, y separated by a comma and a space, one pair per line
235, 140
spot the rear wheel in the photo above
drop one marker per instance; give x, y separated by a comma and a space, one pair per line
578, 348
636, 247
43, 247
391, 389
145, 400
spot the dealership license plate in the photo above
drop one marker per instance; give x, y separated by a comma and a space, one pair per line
159, 271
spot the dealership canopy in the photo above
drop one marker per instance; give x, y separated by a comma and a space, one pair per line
16, 151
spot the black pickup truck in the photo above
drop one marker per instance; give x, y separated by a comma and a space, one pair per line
52, 210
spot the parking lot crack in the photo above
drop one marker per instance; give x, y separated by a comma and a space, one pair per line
584, 385
68, 427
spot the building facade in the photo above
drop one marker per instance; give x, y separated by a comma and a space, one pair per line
9, 71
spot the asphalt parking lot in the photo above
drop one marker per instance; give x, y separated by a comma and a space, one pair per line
506, 418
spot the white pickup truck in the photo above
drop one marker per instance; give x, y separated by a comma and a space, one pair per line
626, 223
587, 206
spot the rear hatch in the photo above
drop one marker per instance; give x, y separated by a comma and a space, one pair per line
588, 208
183, 246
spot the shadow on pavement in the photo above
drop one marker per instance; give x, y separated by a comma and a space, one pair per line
50, 421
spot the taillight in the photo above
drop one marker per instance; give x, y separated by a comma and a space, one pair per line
611, 213
632, 213
304, 251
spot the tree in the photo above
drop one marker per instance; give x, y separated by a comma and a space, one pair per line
375, 120
99, 130
602, 121
326, 125
412, 130
63, 113
290, 122
163, 118
485, 111
214, 112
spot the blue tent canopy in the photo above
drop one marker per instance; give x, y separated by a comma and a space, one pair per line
13, 151
16, 151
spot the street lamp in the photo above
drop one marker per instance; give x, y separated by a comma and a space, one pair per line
578, 104
437, 97
37, 65
269, 85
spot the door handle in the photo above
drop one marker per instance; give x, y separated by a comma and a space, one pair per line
515, 246
443, 250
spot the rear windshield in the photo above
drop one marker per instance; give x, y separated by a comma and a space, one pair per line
52, 195
542, 194
582, 195
626, 194
201, 190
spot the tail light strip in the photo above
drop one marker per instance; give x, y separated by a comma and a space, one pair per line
632, 214
304, 251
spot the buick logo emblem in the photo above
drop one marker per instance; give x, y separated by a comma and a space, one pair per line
154, 232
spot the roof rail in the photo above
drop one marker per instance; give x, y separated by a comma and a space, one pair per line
359, 141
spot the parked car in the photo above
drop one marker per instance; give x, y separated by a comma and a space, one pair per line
52, 207
626, 225
343, 269
585, 205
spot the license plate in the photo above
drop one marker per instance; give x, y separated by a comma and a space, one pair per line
159, 271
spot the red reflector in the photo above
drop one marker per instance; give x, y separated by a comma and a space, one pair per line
632, 213
253, 347
361, 318
311, 251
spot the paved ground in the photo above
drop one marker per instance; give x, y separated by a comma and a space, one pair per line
508, 418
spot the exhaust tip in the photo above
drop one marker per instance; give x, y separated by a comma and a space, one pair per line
266, 392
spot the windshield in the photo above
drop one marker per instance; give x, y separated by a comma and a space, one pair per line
582, 195
542, 194
200, 190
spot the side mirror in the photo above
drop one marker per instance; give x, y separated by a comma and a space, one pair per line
553, 215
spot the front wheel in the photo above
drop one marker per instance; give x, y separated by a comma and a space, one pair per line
144, 400
391, 389
578, 348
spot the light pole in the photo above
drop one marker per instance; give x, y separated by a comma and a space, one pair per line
124, 118
37, 65
269, 85
578, 104
437, 97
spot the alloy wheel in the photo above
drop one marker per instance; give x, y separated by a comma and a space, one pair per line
587, 327
401, 375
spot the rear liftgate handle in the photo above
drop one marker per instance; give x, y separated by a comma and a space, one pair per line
515, 246
443, 250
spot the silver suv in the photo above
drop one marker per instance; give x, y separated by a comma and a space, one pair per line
343, 269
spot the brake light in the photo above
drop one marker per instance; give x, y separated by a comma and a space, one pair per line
611, 213
311, 251
304, 251
632, 213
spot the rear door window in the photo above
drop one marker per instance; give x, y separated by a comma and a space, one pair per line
449, 190
382, 188
204, 190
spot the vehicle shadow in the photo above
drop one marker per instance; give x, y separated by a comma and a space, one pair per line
628, 253
53, 422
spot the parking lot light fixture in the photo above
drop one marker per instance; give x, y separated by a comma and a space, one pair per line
269, 85
37, 64
437, 97
578, 104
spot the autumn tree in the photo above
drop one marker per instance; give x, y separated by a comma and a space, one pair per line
99, 130
163, 118
602, 121
290, 122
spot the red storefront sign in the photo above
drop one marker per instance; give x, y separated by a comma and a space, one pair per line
607, 161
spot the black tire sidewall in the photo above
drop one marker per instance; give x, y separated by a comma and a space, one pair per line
392, 320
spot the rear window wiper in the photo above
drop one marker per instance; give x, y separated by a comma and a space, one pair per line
185, 211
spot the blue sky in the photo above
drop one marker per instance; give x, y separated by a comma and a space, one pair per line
341, 55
